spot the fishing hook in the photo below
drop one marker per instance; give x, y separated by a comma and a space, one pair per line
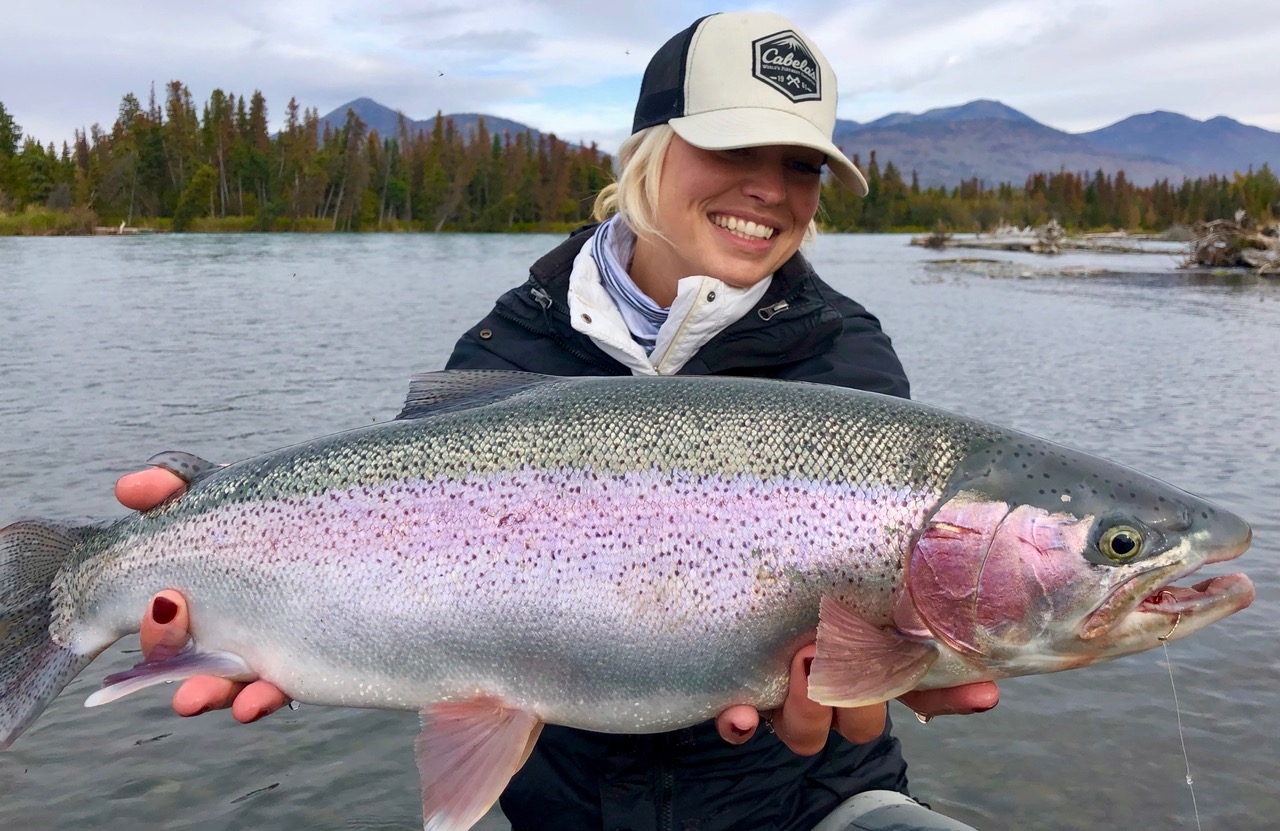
1176, 620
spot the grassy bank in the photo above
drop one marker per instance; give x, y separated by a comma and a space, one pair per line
44, 222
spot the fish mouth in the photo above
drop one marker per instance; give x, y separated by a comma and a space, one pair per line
1204, 602
1199, 604
1182, 600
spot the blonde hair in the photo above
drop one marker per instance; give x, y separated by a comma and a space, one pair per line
634, 195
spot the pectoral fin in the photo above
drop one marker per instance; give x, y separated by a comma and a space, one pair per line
859, 664
467, 752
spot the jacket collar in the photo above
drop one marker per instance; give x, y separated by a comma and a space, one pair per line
551, 271
793, 318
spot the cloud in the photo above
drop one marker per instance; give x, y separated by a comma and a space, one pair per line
573, 66
1075, 66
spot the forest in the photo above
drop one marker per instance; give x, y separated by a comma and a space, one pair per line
173, 165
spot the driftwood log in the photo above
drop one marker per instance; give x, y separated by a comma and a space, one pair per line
1235, 243
1003, 238
1049, 238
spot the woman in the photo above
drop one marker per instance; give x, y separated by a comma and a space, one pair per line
695, 269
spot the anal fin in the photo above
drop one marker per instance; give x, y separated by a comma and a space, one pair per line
467, 753
163, 668
859, 664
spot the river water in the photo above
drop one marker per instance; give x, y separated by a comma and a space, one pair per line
114, 348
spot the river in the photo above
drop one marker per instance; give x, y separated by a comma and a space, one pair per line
114, 348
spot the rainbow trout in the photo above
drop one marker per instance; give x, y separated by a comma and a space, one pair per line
623, 555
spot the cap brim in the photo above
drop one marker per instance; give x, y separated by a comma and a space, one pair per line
757, 127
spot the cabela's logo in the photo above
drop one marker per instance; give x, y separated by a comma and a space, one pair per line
784, 62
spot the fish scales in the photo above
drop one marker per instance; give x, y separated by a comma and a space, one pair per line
738, 529
737, 428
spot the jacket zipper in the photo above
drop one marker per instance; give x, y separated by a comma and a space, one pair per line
667, 792
766, 314
679, 335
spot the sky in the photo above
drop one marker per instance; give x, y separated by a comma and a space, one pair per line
573, 68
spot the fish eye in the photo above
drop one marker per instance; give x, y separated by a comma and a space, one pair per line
1120, 543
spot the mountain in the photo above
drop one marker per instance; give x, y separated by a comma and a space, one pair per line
383, 119
980, 110
989, 141
1219, 145
387, 121
467, 122
992, 142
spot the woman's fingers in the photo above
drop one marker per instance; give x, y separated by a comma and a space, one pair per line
248, 702
164, 633
738, 723
953, 701
164, 626
258, 699
861, 724
802, 724
145, 489
204, 693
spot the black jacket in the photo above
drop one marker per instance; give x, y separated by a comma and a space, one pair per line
692, 780
803, 330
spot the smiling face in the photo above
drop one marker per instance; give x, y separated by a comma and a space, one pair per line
736, 215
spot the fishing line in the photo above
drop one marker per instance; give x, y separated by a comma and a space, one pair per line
1181, 736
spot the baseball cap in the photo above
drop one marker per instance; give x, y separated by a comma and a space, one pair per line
745, 79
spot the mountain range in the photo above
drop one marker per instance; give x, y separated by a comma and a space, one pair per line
990, 141
387, 121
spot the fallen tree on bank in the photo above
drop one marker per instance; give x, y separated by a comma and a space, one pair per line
1235, 243
1050, 238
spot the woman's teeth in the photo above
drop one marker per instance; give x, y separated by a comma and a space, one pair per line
742, 227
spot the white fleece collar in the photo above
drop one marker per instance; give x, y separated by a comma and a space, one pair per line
704, 307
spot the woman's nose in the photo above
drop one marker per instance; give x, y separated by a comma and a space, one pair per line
765, 182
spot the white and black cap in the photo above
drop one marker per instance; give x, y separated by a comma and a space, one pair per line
745, 79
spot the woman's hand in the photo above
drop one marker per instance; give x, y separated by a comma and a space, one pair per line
166, 622
804, 726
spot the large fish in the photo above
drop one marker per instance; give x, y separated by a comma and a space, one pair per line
622, 555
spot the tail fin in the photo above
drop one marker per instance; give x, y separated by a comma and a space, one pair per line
33, 669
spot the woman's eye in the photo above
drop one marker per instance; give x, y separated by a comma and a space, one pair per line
807, 167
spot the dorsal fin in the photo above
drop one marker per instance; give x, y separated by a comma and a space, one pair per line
441, 392
185, 466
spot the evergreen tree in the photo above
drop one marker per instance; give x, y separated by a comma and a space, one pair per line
10, 140
10, 134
